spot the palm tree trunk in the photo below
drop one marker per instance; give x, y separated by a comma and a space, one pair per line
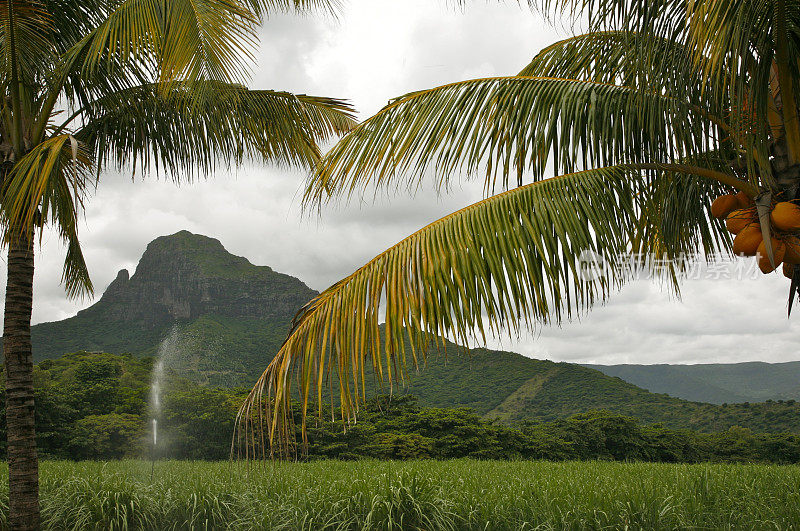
22, 459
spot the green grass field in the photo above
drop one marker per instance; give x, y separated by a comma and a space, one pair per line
462, 494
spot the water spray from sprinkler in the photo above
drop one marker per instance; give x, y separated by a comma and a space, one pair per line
167, 348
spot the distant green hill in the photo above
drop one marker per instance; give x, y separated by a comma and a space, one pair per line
511, 388
218, 320
716, 383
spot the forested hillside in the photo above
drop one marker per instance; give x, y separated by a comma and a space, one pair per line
510, 388
95, 406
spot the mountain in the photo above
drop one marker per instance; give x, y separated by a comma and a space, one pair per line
716, 383
226, 316
218, 320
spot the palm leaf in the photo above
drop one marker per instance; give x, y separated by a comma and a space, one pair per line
25, 27
184, 130
656, 16
75, 275
734, 48
184, 39
110, 46
506, 263
675, 224
265, 7
651, 63
49, 184
510, 125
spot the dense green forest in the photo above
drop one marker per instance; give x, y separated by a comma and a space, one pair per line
95, 406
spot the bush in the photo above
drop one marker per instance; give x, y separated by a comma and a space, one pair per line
110, 436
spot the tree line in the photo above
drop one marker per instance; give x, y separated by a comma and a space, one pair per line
95, 406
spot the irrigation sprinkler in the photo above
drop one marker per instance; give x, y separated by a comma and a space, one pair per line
153, 450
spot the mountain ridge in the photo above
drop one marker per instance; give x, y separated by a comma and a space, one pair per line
716, 383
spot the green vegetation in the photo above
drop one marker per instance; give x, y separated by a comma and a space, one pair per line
218, 349
94, 406
569, 389
51, 340
399, 429
479, 379
511, 388
460, 494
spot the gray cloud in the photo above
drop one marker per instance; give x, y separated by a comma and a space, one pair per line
375, 51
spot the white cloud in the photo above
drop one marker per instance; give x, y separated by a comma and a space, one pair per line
715, 321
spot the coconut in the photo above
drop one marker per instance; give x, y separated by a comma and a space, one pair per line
748, 240
786, 216
739, 219
778, 250
745, 201
724, 205
788, 270
792, 255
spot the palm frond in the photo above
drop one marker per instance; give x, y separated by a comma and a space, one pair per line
511, 126
733, 46
185, 130
654, 16
651, 63
71, 21
509, 262
741, 30
75, 276
263, 8
25, 27
207, 39
675, 223
182, 39
49, 184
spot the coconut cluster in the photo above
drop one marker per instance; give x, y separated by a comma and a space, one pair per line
741, 219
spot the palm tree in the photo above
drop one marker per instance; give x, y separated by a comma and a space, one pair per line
660, 106
150, 86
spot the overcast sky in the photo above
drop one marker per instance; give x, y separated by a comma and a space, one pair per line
376, 50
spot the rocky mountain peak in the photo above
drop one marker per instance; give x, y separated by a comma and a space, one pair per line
230, 316
184, 275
